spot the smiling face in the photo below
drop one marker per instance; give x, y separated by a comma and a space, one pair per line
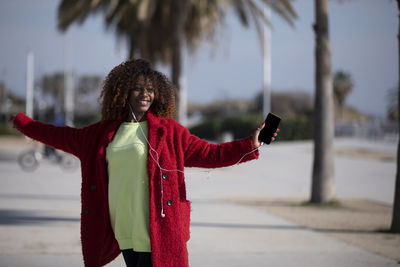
141, 98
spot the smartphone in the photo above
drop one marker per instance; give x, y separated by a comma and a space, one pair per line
271, 125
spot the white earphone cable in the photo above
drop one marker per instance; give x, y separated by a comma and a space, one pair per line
156, 160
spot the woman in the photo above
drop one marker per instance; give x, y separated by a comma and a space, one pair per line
133, 186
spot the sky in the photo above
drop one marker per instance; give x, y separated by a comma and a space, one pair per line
363, 36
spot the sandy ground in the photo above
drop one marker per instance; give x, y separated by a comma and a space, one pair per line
362, 223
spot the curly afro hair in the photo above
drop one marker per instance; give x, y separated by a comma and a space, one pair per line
122, 80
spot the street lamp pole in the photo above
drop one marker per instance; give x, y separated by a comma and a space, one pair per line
29, 84
267, 63
68, 82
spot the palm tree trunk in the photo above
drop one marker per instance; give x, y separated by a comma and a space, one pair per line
341, 110
60, 100
177, 72
180, 10
395, 227
323, 184
131, 48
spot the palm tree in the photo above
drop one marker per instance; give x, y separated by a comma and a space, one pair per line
53, 86
88, 84
395, 227
393, 105
323, 187
3, 93
342, 86
158, 30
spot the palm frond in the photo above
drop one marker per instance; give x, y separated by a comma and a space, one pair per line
283, 8
241, 11
150, 25
70, 11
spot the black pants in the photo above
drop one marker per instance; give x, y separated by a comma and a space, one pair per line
136, 259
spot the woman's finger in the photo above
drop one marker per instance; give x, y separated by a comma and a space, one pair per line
256, 142
258, 130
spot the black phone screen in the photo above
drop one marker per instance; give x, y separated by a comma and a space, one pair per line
271, 125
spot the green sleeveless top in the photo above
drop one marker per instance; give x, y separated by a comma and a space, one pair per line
128, 188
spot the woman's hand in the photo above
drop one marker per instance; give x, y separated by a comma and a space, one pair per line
256, 142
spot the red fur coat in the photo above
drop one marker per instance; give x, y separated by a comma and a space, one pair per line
176, 148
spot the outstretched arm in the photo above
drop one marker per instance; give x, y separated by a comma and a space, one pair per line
65, 138
200, 153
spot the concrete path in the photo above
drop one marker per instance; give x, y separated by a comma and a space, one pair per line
39, 211
225, 234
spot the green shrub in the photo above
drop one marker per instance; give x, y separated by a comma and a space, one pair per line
243, 125
209, 129
291, 127
296, 128
82, 120
6, 129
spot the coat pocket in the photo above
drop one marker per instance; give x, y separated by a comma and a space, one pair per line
185, 219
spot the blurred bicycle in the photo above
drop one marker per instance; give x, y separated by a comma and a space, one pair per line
29, 160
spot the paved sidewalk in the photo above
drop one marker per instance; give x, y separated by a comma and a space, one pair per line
222, 234
39, 211
226, 234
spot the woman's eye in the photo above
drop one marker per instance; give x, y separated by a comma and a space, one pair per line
141, 89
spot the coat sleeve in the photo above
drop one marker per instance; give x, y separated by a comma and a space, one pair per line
64, 138
200, 153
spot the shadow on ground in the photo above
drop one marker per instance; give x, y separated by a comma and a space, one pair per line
25, 217
280, 227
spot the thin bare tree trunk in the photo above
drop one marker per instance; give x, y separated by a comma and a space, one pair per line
180, 8
341, 111
177, 72
131, 50
323, 183
395, 227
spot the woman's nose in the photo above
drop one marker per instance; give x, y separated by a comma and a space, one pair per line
142, 92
